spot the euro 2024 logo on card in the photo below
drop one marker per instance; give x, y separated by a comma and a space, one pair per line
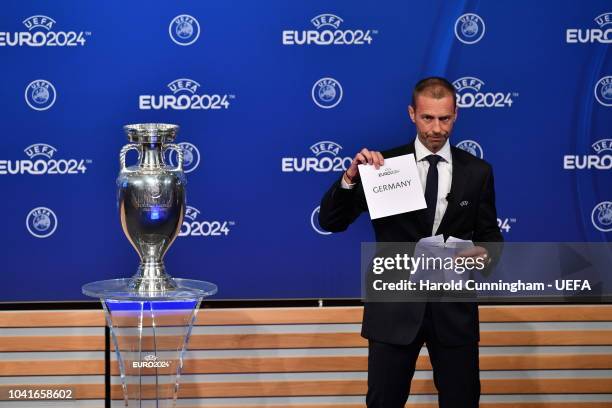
41, 33
603, 91
327, 93
41, 222
184, 30
328, 31
469, 28
601, 216
40, 94
191, 157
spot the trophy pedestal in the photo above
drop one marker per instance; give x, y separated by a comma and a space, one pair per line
150, 332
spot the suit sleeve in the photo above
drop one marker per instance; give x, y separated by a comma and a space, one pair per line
340, 207
487, 231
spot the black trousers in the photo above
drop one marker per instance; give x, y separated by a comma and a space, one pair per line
391, 368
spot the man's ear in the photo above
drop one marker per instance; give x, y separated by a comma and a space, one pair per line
456, 113
412, 113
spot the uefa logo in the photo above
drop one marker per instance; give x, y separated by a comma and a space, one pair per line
41, 222
184, 30
603, 91
40, 94
327, 93
314, 222
471, 147
469, 28
601, 216
191, 157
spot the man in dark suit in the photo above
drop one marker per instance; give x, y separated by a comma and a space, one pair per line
460, 201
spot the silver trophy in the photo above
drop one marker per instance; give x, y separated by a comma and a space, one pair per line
151, 201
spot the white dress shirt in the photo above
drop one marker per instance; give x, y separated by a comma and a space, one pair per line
445, 177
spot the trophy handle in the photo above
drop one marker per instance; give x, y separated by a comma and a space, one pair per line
123, 153
179, 154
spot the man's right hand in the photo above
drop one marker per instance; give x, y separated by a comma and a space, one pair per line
365, 156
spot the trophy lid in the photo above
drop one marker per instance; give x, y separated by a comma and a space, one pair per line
151, 132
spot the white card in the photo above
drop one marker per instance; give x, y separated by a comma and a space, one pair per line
394, 188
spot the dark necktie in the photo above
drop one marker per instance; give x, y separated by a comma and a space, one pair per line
431, 189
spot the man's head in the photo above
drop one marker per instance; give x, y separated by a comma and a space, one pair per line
434, 111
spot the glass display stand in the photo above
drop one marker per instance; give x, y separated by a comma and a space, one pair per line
150, 332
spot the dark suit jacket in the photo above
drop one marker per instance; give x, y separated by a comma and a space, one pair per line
399, 322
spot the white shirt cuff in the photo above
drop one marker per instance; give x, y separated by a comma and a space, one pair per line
345, 185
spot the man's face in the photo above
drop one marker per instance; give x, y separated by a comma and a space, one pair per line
434, 119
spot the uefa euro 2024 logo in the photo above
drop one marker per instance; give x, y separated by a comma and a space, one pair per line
327, 93
191, 157
40, 94
41, 161
603, 91
41, 34
328, 31
185, 96
326, 158
601, 216
469, 28
470, 94
192, 227
41, 222
602, 35
184, 30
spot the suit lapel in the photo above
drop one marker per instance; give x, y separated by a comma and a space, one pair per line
459, 181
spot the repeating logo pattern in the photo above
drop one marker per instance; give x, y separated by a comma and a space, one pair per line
469, 28
327, 93
41, 222
184, 30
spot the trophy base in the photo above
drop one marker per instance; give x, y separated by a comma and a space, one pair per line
124, 289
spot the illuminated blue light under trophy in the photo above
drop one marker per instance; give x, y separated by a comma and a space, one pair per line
150, 314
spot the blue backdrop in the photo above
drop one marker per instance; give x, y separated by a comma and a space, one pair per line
272, 98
